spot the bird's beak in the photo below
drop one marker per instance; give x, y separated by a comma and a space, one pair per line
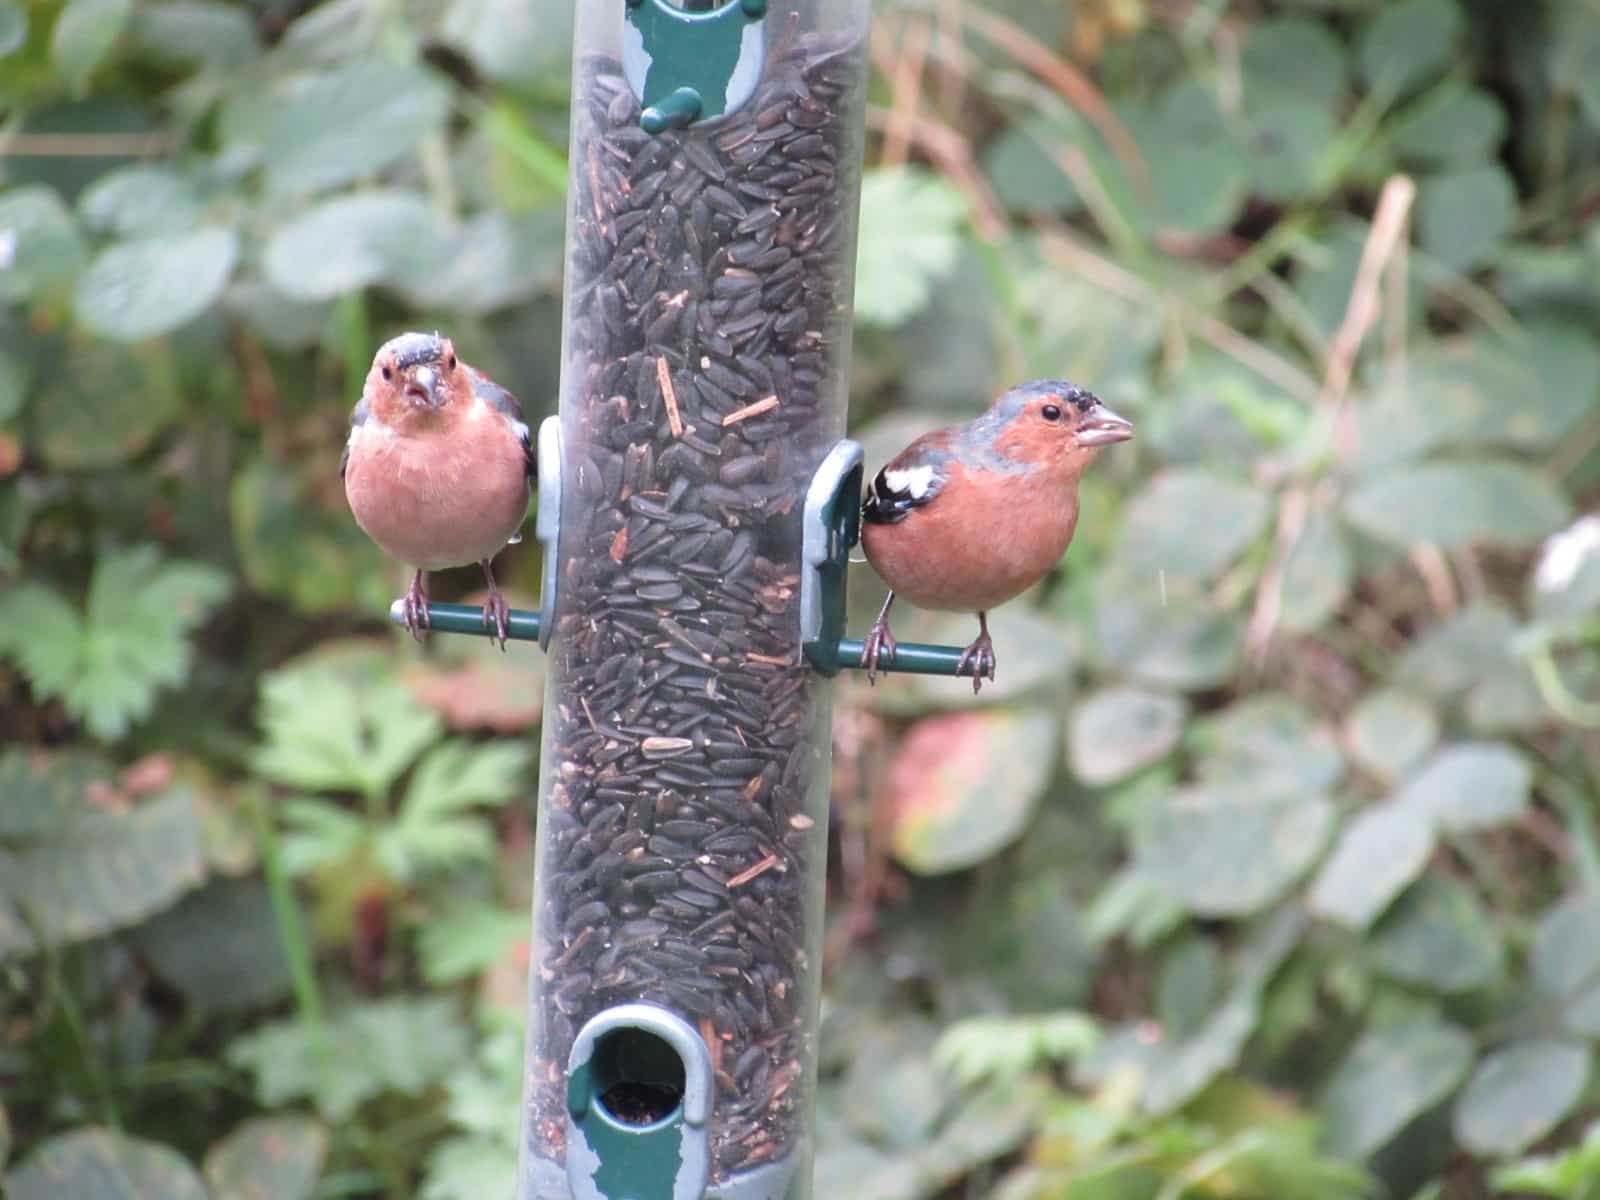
424, 387
1102, 427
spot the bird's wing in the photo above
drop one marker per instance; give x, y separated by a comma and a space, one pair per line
911, 479
358, 417
504, 403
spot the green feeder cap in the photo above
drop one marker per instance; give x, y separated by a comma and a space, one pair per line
691, 63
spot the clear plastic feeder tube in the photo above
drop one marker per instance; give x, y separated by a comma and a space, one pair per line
685, 774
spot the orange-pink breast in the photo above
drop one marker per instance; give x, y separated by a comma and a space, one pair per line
453, 495
983, 540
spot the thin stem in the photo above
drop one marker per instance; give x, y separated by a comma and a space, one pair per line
291, 933
93, 1068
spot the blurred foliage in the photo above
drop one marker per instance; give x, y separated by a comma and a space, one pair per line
1267, 869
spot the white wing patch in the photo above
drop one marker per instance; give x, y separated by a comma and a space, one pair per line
914, 481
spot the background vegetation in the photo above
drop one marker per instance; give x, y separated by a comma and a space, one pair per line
1269, 868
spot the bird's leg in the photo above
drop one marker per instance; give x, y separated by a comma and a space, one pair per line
496, 611
416, 611
980, 654
879, 643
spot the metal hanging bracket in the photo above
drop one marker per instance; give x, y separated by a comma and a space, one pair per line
830, 530
521, 625
694, 62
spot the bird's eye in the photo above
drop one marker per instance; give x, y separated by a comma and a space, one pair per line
1050, 412
452, 363
387, 373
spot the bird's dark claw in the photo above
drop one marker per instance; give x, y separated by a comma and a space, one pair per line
496, 613
416, 607
981, 657
879, 645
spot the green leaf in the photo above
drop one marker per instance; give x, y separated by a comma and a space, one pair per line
1390, 1076
351, 122
280, 322
200, 31
1389, 731
352, 242
523, 42
277, 1157
317, 834
1189, 650
73, 867
13, 27
1519, 1093
494, 260
1438, 936
466, 1168
142, 200
220, 947
982, 1048
432, 830
1452, 656
459, 776
82, 417
1571, 1174
1379, 852
1268, 841
1463, 216
402, 1045
1564, 363
1469, 786
1025, 175
1407, 41
13, 387
99, 1164
1189, 523
1287, 145
1452, 122
911, 224
1267, 743
1566, 962
140, 289
966, 784
1292, 56
41, 242
84, 34
1572, 52
1454, 504
340, 723
107, 665
1189, 986
1170, 1070
469, 942
1116, 731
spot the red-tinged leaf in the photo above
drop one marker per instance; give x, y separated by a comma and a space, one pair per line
97, 1164
965, 785
276, 1158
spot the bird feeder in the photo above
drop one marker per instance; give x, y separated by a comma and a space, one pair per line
715, 169
697, 505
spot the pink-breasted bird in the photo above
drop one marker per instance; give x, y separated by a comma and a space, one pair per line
438, 467
968, 516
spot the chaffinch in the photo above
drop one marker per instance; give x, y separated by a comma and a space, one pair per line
969, 516
438, 467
